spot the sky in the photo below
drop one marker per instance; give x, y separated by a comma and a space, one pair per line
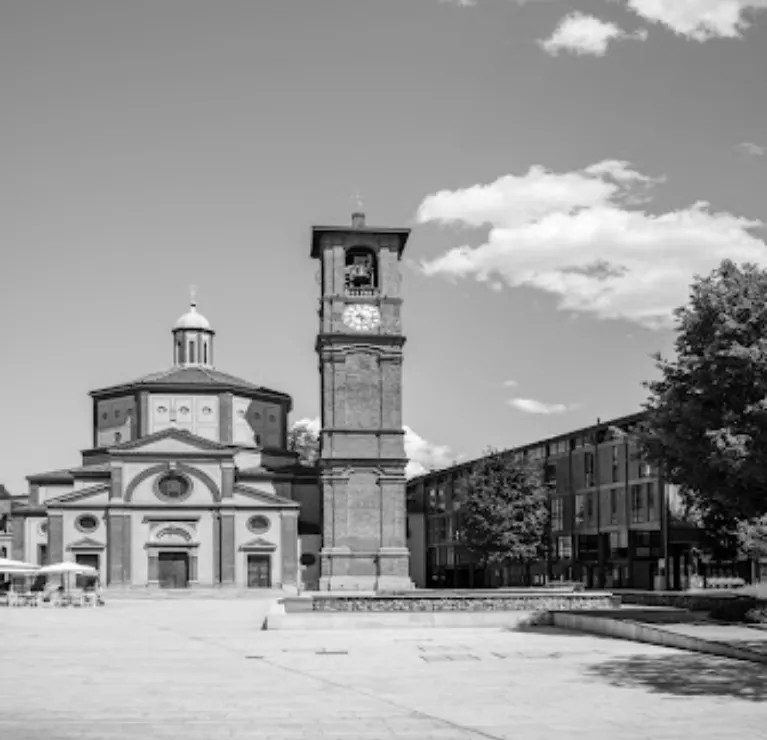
566, 169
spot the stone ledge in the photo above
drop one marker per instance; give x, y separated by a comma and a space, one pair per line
426, 602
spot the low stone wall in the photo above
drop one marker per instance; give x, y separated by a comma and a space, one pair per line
535, 602
695, 602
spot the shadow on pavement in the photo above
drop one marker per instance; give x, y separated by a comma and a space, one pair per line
685, 675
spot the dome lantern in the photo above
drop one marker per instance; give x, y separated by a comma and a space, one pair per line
193, 338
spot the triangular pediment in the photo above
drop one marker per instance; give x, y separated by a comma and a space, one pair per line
86, 543
259, 544
253, 495
171, 441
92, 494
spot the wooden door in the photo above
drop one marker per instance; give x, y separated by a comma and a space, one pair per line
173, 569
259, 571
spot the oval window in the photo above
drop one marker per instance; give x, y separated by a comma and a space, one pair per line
161, 409
173, 487
184, 409
118, 437
258, 524
207, 410
308, 559
43, 527
87, 523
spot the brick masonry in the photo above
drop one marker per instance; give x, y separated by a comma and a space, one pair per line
362, 447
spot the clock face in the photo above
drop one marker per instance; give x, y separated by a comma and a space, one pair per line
362, 317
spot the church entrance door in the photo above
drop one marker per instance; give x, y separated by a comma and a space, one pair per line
259, 571
173, 569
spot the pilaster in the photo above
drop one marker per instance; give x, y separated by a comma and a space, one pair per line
227, 549
55, 537
289, 547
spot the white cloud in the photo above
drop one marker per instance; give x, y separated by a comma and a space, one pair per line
699, 19
579, 236
511, 384
755, 150
582, 34
423, 455
530, 406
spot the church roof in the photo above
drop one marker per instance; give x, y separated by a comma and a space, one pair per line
5, 494
184, 377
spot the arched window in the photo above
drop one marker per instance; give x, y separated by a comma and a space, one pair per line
361, 271
205, 352
191, 351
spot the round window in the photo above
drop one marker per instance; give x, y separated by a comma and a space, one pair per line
118, 437
207, 410
161, 409
173, 487
272, 418
258, 524
87, 523
43, 528
308, 559
184, 409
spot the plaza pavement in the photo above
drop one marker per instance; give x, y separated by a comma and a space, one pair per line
203, 669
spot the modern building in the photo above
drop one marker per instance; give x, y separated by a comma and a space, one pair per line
189, 480
615, 522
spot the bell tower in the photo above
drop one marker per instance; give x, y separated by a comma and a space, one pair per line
362, 451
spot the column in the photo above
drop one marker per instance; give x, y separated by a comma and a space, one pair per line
289, 547
227, 549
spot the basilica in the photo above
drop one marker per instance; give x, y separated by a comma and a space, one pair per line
188, 482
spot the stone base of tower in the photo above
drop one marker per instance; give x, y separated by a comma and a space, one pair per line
387, 569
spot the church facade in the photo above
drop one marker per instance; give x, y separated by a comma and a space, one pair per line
189, 481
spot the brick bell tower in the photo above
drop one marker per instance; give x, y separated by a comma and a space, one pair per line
362, 451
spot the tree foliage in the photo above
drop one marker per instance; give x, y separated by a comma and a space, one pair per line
304, 438
707, 414
505, 515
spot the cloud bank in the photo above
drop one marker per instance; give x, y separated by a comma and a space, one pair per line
583, 237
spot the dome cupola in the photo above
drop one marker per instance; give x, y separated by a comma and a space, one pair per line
193, 338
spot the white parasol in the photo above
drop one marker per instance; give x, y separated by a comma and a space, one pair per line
14, 567
66, 569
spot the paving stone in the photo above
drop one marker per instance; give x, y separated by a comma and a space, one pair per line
185, 669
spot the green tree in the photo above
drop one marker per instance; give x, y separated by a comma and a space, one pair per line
707, 414
504, 517
304, 438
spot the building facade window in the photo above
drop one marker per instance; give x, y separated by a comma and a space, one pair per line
652, 502
589, 507
614, 506
588, 470
259, 524
580, 508
173, 487
565, 547
557, 514
87, 523
636, 504
614, 464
